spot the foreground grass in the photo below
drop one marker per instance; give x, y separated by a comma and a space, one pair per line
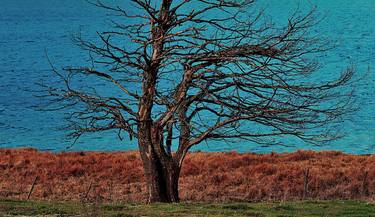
306, 209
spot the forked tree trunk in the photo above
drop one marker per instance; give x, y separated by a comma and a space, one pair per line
162, 178
161, 170
162, 181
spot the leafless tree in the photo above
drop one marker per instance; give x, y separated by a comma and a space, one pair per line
220, 71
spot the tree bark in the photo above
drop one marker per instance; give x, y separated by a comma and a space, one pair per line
162, 178
162, 181
161, 170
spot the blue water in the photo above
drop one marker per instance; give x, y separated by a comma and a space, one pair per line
30, 29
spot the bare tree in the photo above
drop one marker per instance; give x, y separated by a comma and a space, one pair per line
219, 71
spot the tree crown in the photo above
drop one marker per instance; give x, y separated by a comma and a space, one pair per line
199, 70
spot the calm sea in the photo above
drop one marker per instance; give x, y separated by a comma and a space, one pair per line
31, 28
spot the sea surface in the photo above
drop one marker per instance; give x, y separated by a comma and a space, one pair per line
31, 30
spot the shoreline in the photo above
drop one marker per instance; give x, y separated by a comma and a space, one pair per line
205, 176
190, 152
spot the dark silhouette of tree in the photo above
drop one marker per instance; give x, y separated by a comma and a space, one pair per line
219, 71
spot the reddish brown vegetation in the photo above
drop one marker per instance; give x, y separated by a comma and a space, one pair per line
205, 176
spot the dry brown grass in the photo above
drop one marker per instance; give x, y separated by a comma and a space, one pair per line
205, 176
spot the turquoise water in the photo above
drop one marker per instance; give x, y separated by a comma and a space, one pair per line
31, 28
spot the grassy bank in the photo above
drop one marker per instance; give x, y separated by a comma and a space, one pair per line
205, 177
305, 209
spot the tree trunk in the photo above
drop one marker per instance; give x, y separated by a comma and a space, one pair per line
162, 181
162, 178
161, 170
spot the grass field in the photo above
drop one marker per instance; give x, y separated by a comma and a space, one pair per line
284, 209
205, 177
